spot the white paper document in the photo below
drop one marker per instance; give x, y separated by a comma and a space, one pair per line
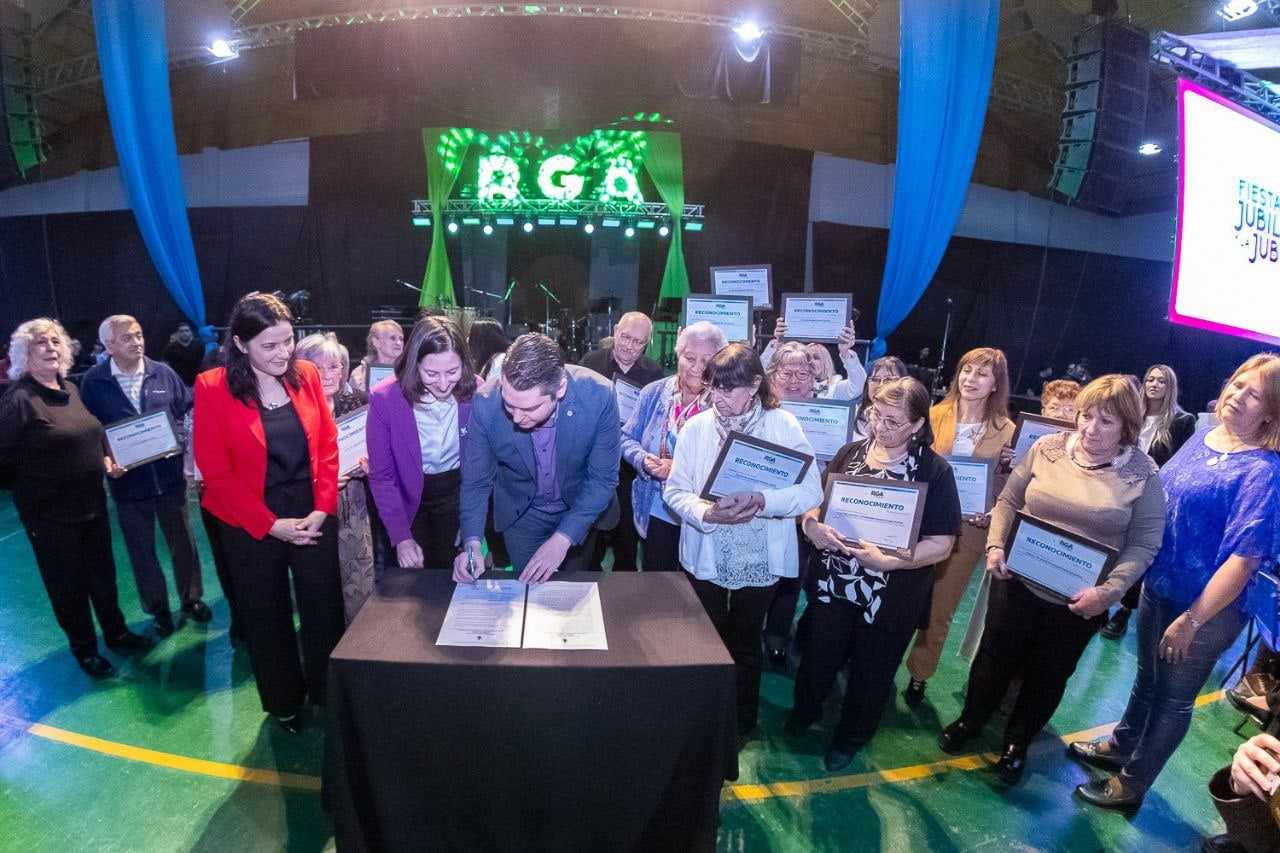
564, 615
487, 613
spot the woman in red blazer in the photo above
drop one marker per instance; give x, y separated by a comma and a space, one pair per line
267, 448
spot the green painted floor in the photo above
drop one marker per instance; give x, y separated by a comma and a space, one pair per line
193, 696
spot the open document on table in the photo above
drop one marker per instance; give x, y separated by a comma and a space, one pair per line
508, 614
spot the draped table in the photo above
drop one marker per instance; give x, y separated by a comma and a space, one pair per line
447, 748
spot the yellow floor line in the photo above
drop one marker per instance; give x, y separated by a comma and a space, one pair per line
745, 793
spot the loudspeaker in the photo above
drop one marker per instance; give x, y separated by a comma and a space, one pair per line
1103, 117
21, 139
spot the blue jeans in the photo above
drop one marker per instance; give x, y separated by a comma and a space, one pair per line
1164, 694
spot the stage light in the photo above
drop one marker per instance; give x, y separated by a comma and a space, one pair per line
546, 220
471, 220
528, 227
630, 232
589, 228
222, 49
453, 227
664, 231
1149, 149
1235, 10
610, 222
693, 226
647, 224
505, 220
488, 230
422, 221
568, 220
748, 32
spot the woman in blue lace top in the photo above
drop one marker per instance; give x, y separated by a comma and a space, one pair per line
1222, 523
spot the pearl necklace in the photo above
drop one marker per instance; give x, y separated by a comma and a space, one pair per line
1223, 455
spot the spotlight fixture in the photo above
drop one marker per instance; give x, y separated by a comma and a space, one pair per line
630, 232
488, 230
611, 222
504, 220
664, 231
453, 227
749, 32
693, 226
1235, 10
589, 228
1149, 149
527, 227
422, 222
222, 49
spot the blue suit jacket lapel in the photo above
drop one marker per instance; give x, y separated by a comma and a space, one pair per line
567, 445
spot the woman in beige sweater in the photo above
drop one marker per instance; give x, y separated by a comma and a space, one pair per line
971, 421
1096, 484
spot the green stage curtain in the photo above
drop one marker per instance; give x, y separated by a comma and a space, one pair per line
437, 282
665, 162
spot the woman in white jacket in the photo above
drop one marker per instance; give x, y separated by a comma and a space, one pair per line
737, 547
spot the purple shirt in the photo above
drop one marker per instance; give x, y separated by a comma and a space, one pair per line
544, 456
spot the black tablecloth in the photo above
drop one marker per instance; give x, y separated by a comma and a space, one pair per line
444, 748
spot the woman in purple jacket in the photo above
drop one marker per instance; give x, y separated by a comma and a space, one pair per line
416, 436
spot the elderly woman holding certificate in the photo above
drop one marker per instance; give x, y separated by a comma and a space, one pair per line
739, 545
1088, 492
355, 539
649, 441
867, 602
971, 421
1223, 489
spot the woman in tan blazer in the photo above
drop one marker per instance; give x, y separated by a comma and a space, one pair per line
972, 420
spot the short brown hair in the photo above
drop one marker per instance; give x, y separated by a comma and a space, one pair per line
1115, 395
1058, 389
737, 366
910, 394
1268, 365
433, 335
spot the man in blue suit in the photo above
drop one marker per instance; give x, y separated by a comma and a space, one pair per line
544, 442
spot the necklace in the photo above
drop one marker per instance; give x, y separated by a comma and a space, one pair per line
1222, 457
881, 457
1085, 467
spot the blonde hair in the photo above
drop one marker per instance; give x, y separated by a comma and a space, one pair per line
995, 411
823, 356
1115, 395
374, 329
320, 344
1169, 408
791, 351
22, 338
1268, 366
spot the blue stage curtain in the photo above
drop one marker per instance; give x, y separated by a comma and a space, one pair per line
135, 77
948, 51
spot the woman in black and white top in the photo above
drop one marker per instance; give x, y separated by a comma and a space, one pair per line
866, 604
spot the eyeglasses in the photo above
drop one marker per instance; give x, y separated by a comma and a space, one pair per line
632, 340
890, 425
726, 392
791, 375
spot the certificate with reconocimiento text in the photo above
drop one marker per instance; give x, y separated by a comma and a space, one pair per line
828, 424
754, 280
1056, 559
818, 318
144, 438
1032, 427
351, 440
975, 481
749, 464
732, 314
886, 513
628, 395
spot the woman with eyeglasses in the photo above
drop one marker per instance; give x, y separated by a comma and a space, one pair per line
828, 384
882, 370
736, 548
867, 603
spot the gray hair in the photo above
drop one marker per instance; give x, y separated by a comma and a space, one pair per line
22, 338
107, 329
320, 344
701, 331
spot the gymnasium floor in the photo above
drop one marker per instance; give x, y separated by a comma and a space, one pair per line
174, 755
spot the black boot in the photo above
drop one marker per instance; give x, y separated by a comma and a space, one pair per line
1012, 762
1117, 625
955, 736
914, 694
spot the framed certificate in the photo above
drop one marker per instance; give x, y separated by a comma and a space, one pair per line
819, 318
1054, 559
731, 313
135, 441
886, 513
754, 280
828, 424
628, 395
749, 464
351, 442
1030, 428
976, 482
379, 372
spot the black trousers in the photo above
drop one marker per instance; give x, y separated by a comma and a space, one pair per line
213, 530
836, 633
661, 545
1132, 596
782, 613
435, 526
79, 573
138, 524
738, 615
260, 572
623, 537
1025, 634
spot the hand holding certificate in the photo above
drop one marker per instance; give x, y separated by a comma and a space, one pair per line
886, 513
975, 481
351, 440
816, 318
749, 464
1055, 559
143, 438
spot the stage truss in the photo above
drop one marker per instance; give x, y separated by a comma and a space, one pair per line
1222, 77
584, 210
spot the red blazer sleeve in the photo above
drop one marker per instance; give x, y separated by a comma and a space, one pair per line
324, 444
222, 446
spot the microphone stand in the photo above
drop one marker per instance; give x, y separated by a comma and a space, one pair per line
946, 338
548, 296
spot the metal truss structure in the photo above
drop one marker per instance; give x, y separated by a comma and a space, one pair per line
241, 8
1223, 77
859, 13
654, 210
